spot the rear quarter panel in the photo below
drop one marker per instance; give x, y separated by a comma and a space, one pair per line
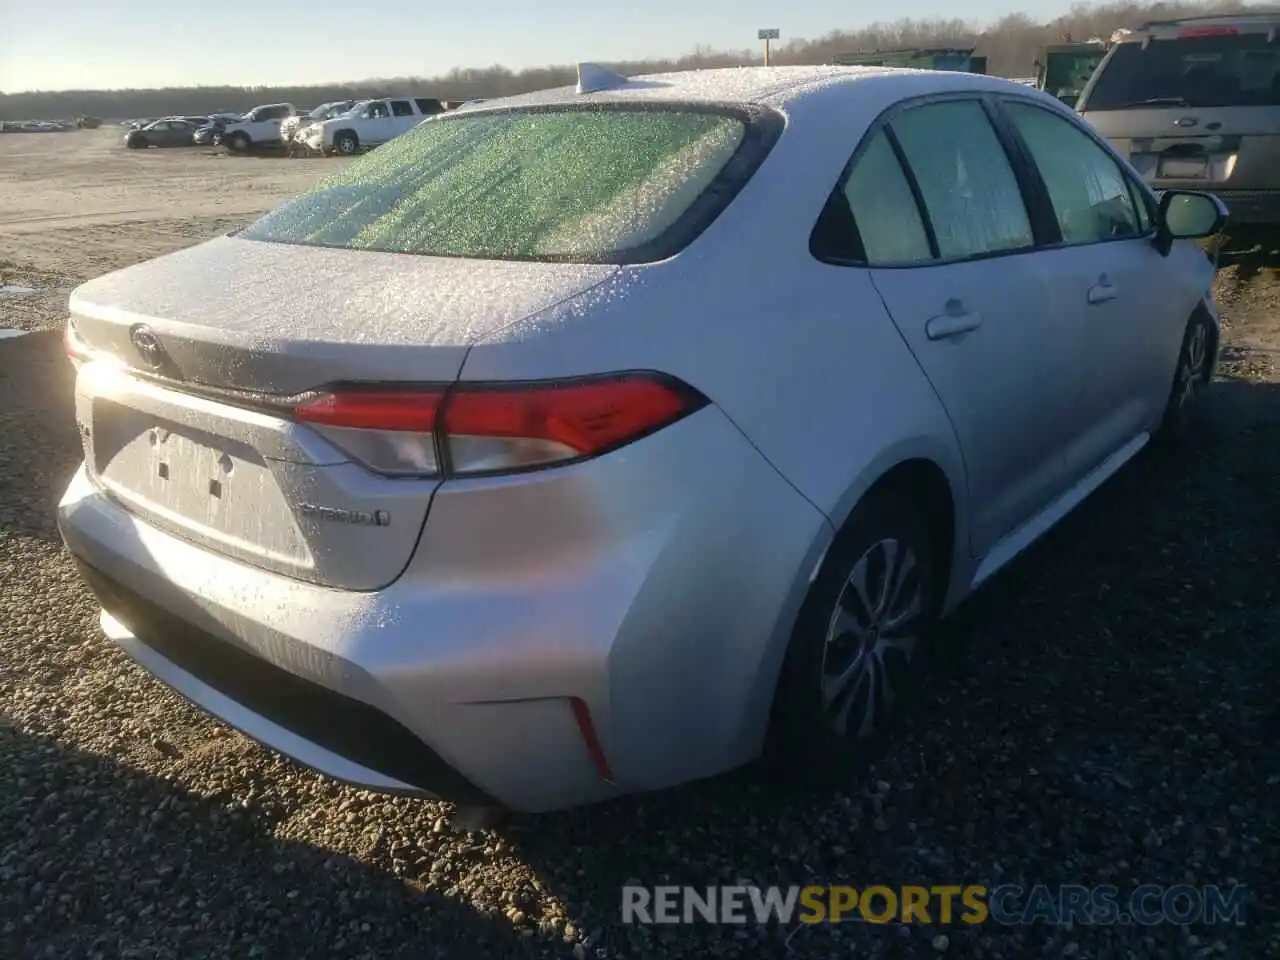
800, 355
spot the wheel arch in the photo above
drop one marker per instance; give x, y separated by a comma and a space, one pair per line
1203, 312
926, 486
932, 477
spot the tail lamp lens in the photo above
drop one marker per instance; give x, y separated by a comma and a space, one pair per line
473, 429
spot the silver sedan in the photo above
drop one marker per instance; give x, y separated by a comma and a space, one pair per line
638, 429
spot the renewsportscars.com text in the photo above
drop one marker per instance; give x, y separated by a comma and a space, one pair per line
1147, 905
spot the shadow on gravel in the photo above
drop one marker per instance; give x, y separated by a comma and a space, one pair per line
97, 859
39, 449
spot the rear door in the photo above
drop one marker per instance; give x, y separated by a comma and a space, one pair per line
942, 220
1195, 107
179, 133
403, 117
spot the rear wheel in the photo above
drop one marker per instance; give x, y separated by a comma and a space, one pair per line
858, 651
346, 143
1189, 379
237, 142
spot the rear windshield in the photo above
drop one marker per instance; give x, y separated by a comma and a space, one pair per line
1215, 71
594, 185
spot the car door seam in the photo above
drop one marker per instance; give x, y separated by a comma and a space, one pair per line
955, 433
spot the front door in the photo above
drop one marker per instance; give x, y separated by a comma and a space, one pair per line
1104, 280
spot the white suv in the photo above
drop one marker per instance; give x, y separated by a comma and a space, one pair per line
259, 128
370, 123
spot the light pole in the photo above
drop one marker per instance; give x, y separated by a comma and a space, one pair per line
766, 36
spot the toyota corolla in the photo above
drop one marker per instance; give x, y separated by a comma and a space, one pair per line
640, 430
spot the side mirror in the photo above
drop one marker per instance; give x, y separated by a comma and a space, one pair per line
1188, 215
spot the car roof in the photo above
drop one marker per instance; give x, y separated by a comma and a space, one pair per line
1262, 22
767, 86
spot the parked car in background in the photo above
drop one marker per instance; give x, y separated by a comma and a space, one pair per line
370, 123
292, 127
260, 127
1063, 69
176, 132
1195, 104
211, 132
536, 502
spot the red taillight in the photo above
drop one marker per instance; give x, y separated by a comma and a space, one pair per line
1193, 32
75, 348
581, 418
495, 428
402, 410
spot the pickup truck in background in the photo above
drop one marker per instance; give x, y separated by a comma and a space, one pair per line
260, 127
370, 123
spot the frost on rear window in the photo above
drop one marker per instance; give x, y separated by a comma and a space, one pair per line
560, 185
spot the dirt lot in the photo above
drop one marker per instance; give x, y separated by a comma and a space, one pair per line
76, 205
1108, 713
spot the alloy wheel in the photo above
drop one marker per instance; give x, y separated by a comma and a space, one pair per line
872, 638
1191, 369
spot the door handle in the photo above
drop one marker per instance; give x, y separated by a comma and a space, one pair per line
1102, 291
950, 325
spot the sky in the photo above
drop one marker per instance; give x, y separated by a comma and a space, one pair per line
103, 44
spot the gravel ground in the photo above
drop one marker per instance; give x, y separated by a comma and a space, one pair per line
1109, 715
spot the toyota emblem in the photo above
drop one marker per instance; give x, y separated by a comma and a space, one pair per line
148, 346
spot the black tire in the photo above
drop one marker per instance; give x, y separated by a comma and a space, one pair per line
137, 143
1190, 377
805, 739
238, 142
346, 143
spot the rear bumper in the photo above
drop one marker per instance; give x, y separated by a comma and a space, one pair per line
656, 586
321, 728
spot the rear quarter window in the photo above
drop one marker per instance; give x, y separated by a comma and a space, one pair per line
603, 184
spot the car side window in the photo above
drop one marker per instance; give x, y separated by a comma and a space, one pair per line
1090, 194
401, 108
883, 209
966, 181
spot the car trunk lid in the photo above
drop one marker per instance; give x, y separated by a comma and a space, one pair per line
229, 314
195, 443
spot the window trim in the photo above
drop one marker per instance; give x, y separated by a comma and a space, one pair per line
1017, 163
1137, 191
908, 174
